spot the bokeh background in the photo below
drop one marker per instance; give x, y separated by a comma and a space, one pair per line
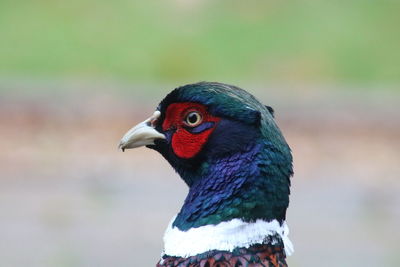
75, 75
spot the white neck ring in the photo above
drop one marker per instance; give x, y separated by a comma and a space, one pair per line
225, 236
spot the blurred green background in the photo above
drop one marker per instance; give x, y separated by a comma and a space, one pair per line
299, 41
76, 75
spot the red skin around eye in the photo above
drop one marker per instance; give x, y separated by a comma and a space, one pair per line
184, 143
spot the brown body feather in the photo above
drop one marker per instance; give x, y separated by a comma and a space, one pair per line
254, 256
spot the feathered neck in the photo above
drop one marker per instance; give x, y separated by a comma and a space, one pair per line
248, 185
239, 202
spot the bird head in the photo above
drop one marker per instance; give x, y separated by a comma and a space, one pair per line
199, 122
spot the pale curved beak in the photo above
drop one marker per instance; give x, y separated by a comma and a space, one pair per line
142, 134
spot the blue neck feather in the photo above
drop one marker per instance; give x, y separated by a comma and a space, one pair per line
247, 185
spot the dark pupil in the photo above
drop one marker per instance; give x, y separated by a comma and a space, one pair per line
192, 118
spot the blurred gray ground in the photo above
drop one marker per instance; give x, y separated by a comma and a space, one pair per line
68, 197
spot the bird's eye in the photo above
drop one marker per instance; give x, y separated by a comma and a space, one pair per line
193, 119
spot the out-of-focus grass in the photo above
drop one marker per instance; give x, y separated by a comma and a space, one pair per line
354, 41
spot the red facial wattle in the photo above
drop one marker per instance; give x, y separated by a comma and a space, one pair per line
187, 144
